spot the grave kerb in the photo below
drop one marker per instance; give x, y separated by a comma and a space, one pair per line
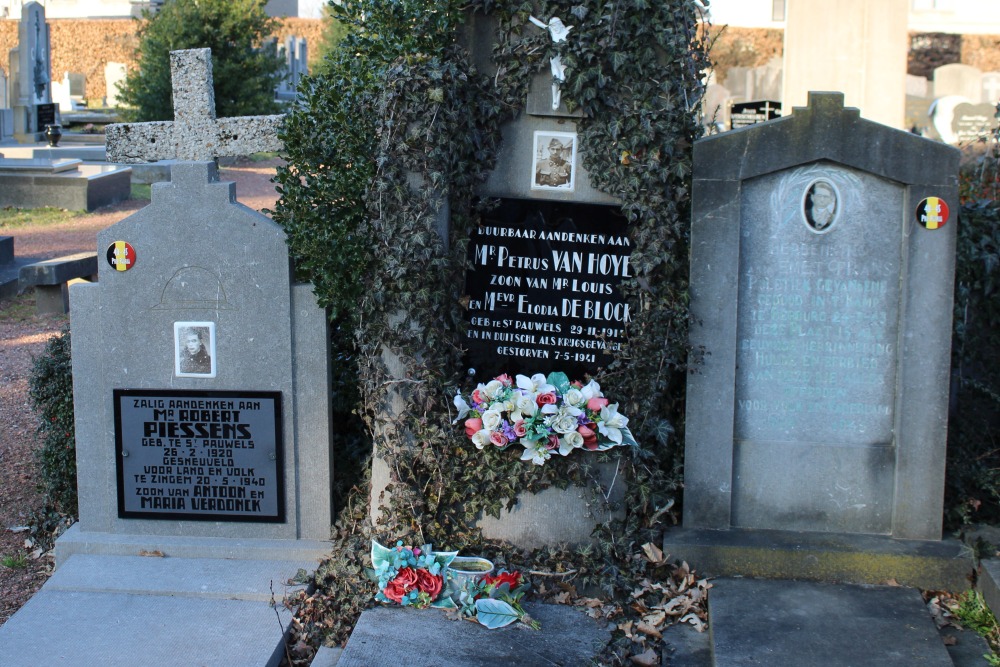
823, 131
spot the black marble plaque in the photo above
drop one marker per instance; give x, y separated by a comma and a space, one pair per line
46, 115
199, 455
543, 288
750, 113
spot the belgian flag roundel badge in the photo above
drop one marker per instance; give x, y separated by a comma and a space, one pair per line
121, 256
932, 213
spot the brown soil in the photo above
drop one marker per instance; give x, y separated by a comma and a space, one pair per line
22, 337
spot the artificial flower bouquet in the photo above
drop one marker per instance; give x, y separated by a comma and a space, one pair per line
411, 576
419, 577
545, 415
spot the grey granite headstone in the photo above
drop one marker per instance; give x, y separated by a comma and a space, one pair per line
823, 309
958, 79
200, 369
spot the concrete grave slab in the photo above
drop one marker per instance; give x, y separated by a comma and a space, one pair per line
755, 622
396, 635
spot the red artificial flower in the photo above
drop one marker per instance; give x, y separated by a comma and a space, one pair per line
595, 404
589, 437
499, 439
429, 583
553, 443
504, 577
404, 582
504, 380
546, 399
473, 426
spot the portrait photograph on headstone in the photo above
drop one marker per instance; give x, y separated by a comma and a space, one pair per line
554, 161
194, 343
819, 206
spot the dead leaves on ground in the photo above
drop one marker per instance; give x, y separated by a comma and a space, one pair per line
657, 602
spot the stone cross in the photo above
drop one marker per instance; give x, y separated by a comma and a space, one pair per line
195, 134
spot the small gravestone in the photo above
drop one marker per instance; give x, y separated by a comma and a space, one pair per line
821, 289
114, 78
745, 114
972, 122
958, 79
991, 88
200, 368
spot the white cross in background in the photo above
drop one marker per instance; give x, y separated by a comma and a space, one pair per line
195, 134
767, 110
991, 89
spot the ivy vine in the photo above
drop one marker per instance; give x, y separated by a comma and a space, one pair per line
391, 139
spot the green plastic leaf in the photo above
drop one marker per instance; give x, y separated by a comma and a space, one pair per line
380, 554
559, 381
444, 602
444, 558
495, 613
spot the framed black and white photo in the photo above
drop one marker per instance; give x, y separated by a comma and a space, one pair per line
194, 349
554, 161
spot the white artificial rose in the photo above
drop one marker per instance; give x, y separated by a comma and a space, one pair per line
569, 442
481, 438
564, 424
493, 388
526, 405
491, 420
574, 397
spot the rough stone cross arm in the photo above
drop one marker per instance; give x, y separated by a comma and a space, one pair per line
195, 134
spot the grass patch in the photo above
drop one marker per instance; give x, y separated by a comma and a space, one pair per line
19, 308
16, 562
973, 613
11, 218
141, 191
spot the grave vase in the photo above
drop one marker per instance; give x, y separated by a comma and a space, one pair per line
53, 133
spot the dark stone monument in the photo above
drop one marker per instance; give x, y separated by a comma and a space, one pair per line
822, 268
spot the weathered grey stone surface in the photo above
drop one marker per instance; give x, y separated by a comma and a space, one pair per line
859, 559
821, 400
755, 622
73, 186
396, 636
195, 133
271, 337
152, 611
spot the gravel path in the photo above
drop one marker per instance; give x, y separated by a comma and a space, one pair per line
22, 337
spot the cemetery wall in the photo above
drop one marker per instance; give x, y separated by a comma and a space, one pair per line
754, 47
85, 46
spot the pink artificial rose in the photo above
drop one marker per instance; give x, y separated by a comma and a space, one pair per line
589, 437
553, 443
595, 404
477, 397
498, 439
545, 399
473, 426
504, 380
519, 429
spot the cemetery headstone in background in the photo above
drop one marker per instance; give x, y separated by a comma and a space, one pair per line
822, 268
751, 113
958, 79
972, 122
32, 77
200, 369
